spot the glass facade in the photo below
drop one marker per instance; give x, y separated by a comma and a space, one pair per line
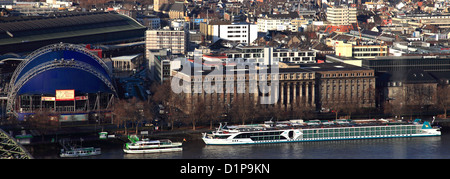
256, 136
407, 63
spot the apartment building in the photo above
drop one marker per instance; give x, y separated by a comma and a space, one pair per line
360, 51
279, 22
269, 55
161, 64
341, 15
441, 21
162, 67
238, 32
174, 40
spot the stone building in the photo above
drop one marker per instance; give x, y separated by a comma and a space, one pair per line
342, 84
313, 85
414, 88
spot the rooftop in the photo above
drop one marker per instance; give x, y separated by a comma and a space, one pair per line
65, 26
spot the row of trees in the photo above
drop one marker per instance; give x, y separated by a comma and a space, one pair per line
204, 112
418, 100
243, 112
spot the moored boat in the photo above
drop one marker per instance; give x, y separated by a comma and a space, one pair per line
80, 152
71, 150
137, 146
340, 130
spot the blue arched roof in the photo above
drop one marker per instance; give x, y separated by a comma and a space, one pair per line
63, 54
48, 81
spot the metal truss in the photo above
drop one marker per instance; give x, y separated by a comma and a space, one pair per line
10, 149
56, 47
49, 66
15, 83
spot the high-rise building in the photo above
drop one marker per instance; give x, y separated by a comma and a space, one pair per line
174, 40
341, 15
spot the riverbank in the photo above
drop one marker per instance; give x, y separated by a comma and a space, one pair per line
49, 148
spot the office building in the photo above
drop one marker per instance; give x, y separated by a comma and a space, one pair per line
341, 15
268, 55
237, 32
174, 40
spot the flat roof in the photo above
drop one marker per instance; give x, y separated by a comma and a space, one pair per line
335, 66
65, 26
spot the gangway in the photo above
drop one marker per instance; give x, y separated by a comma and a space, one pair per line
10, 149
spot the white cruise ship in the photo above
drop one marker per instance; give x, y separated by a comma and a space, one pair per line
317, 131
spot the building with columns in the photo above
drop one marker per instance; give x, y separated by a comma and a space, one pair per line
297, 86
316, 86
341, 85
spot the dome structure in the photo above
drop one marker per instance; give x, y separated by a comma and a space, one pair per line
59, 67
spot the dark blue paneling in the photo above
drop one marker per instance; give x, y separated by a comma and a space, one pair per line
66, 54
64, 78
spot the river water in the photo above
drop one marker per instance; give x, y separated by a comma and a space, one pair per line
392, 148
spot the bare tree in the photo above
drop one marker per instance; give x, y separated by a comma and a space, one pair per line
301, 109
148, 111
120, 112
135, 112
350, 106
129, 111
239, 111
215, 112
443, 98
396, 107
197, 113
43, 121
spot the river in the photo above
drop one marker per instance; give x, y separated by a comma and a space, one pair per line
194, 148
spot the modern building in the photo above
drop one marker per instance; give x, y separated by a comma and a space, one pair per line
398, 63
174, 40
151, 21
441, 21
127, 64
151, 56
279, 22
244, 33
268, 55
341, 15
161, 63
162, 69
64, 79
360, 51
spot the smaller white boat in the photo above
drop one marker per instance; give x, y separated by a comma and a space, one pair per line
151, 146
80, 152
